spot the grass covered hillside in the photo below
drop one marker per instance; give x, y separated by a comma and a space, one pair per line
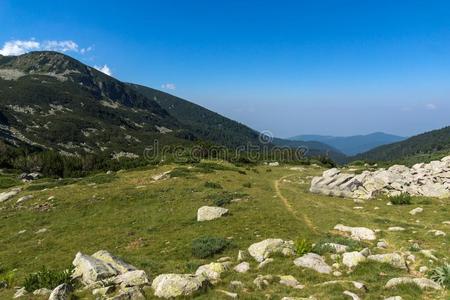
423, 147
148, 217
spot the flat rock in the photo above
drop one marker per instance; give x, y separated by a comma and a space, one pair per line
422, 283
208, 213
175, 285
313, 261
262, 250
416, 211
393, 259
243, 267
24, 199
357, 233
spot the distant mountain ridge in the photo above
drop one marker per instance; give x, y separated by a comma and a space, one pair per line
352, 145
435, 142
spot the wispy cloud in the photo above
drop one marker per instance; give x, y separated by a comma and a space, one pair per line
430, 106
169, 86
105, 69
19, 47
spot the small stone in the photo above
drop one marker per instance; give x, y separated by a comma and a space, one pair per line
243, 267
423, 269
396, 228
351, 295
416, 211
224, 259
42, 292
241, 255
229, 294
265, 262
337, 274
394, 298
382, 244
20, 293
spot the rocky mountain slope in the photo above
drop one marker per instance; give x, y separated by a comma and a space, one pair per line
352, 145
52, 101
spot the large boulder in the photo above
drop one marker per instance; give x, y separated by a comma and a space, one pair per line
176, 285
313, 261
114, 261
208, 213
90, 269
357, 233
262, 250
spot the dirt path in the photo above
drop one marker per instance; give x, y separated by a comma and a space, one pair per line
297, 215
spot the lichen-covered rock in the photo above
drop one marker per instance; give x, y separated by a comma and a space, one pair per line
212, 271
208, 213
394, 259
422, 283
262, 250
132, 278
313, 261
175, 285
352, 259
357, 233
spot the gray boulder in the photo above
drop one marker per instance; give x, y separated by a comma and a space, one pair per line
313, 261
176, 285
262, 250
208, 213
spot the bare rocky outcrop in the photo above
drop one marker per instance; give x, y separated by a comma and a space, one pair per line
430, 180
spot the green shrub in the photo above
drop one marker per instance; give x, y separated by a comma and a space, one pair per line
213, 185
402, 199
302, 246
441, 275
7, 279
208, 246
247, 185
224, 198
46, 278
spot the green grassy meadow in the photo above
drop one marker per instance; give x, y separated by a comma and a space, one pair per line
151, 225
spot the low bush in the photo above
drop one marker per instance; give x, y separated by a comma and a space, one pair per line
441, 275
302, 246
402, 199
247, 185
213, 185
46, 278
208, 246
224, 198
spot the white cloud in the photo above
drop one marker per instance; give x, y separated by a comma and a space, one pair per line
18, 47
105, 69
169, 86
431, 106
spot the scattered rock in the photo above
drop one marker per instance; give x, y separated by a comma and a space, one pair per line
132, 278
337, 248
262, 250
274, 164
229, 294
428, 254
352, 259
61, 292
5, 196
24, 199
241, 255
394, 259
437, 232
42, 230
243, 267
357, 233
416, 211
396, 228
264, 263
313, 261
382, 244
20, 293
175, 285
42, 292
291, 281
212, 271
208, 213
263, 281
422, 283
351, 295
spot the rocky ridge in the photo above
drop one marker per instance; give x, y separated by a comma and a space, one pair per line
430, 180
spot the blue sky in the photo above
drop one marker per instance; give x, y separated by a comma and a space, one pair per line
291, 67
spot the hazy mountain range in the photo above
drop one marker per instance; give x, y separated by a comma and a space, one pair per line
352, 145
